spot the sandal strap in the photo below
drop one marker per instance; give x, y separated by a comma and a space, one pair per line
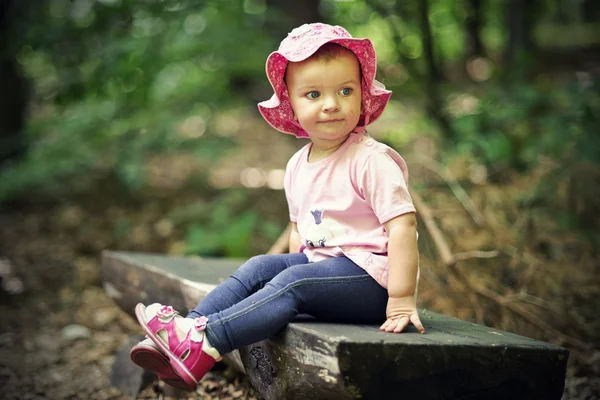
157, 325
188, 351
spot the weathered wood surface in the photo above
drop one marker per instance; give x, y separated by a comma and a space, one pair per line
125, 375
309, 359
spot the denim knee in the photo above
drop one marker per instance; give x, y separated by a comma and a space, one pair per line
253, 274
259, 270
291, 281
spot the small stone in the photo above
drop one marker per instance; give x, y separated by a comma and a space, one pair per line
70, 216
105, 316
47, 342
164, 228
13, 285
140, 235
177, 248
74, 332
87, 272
28, 345
5, 267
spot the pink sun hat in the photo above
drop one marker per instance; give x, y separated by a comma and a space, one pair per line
300, 44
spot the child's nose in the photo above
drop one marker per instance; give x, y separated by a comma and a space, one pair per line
330, 104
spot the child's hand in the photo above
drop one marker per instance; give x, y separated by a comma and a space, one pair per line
400, 312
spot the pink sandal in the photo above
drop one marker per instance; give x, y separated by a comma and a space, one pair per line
184, 345
146, 355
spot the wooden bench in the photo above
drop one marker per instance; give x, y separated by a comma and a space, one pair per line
317, 360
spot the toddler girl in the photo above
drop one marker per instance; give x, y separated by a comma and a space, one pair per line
353, 245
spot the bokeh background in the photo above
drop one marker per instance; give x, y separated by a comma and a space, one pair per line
132, 125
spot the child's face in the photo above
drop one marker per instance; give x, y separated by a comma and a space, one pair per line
326, 95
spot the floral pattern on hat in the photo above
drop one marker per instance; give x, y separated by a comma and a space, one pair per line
300, 44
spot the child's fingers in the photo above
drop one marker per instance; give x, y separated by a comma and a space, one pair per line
417, 323
385, 324
401, 323
389, 325
392, 325
395, 325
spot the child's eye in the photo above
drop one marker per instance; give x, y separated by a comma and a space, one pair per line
313, 95
346, 91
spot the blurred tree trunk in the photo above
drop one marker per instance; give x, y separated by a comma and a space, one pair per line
433, 75
15, 91
295, 14
474, 46
284, 15
520, 51
590, 10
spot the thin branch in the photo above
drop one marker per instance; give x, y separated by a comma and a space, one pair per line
455, 187
436, 234
545, 304
443, 247
282, 243
475, 254
531, 299
450, 261
529, 316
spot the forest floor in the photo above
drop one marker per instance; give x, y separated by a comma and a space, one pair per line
59, 331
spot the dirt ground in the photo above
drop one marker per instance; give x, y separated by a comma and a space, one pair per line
60, 331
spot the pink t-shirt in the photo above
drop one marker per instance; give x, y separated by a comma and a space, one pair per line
341, 202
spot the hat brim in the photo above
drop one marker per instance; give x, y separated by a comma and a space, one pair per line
277, 111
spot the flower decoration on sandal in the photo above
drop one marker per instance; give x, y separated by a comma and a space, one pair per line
181, 340
166, 313
200, 323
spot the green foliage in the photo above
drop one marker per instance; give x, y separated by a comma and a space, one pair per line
228, 237
514, 126
115, 81
225, 226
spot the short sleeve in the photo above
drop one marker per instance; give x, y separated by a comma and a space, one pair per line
384, 185
287, 185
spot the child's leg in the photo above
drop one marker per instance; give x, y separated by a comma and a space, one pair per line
335, 289
248, 279
171, 351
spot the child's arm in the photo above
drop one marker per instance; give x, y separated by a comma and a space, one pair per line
294, 238
402, 279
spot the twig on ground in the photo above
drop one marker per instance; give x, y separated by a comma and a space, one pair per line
455, 187
444, 249
475, 254
537, 301
531, 299
436, 234
450, 260
529, 316
438, 238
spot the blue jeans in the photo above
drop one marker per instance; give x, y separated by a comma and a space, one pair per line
269, 291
